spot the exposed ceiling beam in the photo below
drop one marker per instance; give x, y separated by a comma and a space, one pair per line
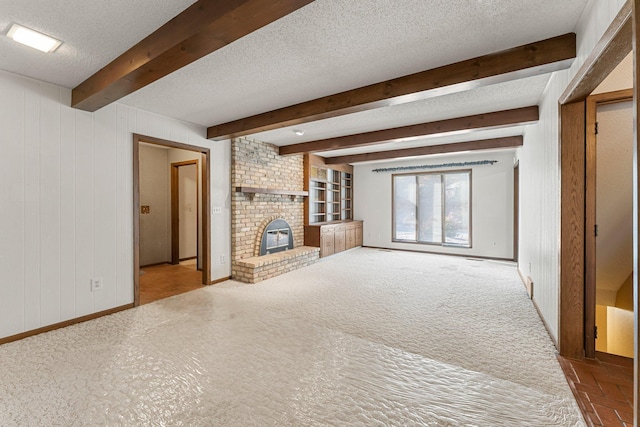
615, 44
524, 61
498, 119
485, 144
202, 28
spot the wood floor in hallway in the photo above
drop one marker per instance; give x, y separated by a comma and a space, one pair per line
162, 281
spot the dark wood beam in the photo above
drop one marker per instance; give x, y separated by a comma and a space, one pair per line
202, 28
485, 144
524, 61
498, 119
613, 46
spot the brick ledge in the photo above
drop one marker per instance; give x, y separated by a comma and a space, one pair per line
261, 261
258, 268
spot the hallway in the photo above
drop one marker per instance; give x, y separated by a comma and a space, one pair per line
366, 337
162, 281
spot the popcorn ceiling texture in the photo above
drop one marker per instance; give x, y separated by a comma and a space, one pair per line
257, 164
364, 337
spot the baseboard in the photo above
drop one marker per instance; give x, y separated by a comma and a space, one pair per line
528, 283
544, 322
441, 253
64, 324
215, 282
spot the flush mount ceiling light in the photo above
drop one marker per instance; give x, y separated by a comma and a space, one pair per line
33, 38
298, 132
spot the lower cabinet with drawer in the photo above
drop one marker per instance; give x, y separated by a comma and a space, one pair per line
333, 237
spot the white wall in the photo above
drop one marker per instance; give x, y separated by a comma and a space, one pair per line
492, 204
540, 172
155, 232
190, 243
614, 197
66, 202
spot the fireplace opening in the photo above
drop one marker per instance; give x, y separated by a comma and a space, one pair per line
277, 237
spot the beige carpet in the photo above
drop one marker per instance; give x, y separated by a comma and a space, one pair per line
366, 337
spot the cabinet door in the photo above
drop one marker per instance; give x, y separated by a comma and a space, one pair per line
351, 238
340, 238
326, 244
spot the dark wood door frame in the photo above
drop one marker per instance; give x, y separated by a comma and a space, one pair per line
622, 36
206, 214
612, 48
592, 104
175, 210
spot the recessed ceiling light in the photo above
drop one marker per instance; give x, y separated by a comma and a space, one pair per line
298, 132
33, 38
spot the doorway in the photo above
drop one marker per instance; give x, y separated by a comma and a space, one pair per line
609, 224
185, 236
171, 218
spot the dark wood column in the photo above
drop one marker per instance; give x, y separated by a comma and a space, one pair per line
572, 158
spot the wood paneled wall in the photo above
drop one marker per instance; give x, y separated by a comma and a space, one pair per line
66, 202
540, 173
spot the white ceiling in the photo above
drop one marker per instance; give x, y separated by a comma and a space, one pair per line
326, 47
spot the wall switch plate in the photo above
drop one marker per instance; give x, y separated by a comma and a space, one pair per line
216, 210
96, 284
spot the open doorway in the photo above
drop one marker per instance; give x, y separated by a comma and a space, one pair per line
185, 222
609, 200
171, 218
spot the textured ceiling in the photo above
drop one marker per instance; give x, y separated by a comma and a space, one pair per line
94, 32
326, 47
334, 45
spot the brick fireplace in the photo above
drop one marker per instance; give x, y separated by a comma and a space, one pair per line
270, 185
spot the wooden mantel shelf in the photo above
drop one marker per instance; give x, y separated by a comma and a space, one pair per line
252, 191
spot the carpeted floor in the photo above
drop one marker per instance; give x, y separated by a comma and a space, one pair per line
365, 337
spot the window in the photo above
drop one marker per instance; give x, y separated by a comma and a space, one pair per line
433, 208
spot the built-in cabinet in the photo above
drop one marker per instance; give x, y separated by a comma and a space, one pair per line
335, 237
328, 209
330, 191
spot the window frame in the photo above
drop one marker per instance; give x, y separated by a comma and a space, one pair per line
443, 208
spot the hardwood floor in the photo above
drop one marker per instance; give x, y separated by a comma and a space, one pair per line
603, 388
162, 281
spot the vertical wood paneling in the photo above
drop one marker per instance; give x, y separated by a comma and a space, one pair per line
84, 213
32, 256
50, 204
124, 209
540, 172
104, 207
11, 208
67, 214
66, 202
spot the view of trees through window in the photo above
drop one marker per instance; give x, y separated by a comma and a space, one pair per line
432, 208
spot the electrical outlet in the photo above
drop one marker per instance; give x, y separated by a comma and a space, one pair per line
96, 284
216, 210
221, 259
